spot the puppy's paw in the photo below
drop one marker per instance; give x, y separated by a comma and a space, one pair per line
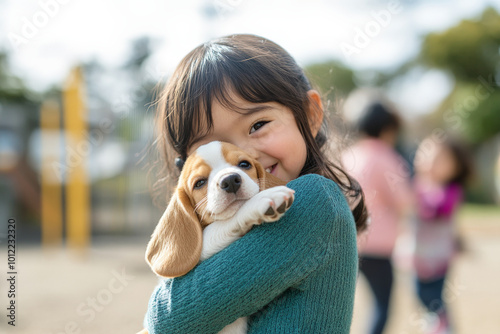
274, 202
268, 205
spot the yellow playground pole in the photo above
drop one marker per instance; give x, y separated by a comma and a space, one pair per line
77, 150
50, 177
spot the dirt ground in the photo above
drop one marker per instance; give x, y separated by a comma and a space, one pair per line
472, 290
106, 290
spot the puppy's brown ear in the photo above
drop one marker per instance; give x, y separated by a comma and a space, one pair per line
267, 180
175, 246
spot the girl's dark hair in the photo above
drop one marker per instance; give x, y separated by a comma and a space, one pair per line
377, 118
259, 71
462, 158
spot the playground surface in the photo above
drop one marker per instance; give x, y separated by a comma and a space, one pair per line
106, 290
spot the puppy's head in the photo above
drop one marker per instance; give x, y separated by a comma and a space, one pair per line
214, 183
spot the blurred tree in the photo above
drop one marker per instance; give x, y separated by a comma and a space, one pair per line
333, 79
141, 50
19, 192
470, 51
12, 88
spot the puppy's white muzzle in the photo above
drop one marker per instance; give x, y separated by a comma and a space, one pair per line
228, 189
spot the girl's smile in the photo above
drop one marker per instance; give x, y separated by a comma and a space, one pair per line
267, 131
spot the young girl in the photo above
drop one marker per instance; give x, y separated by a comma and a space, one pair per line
296, 275
441, 171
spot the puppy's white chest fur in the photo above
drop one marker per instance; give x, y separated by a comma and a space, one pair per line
253, 208
237, 197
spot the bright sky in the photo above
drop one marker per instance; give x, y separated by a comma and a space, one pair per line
52, 35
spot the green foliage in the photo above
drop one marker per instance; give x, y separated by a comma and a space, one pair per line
485, 120
331, 78
472, 109
468, 50
12, 88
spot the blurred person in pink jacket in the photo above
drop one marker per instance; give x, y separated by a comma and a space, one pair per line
384, 177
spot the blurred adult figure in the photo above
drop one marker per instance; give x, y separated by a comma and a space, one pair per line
384, 177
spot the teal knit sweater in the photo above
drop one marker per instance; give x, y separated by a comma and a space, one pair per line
296, 275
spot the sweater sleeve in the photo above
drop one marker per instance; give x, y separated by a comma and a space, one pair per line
247, 275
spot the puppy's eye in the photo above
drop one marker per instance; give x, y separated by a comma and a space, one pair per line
200, 183
244, 164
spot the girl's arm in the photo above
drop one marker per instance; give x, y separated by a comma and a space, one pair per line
251, 272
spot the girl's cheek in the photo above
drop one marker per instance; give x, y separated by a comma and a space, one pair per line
277, 127
265, 131
263, 140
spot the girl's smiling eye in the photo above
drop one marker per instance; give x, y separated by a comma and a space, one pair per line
257, 126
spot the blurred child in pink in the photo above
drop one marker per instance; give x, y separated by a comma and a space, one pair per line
441, 170
384, 177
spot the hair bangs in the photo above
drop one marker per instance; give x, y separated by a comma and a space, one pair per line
218, 76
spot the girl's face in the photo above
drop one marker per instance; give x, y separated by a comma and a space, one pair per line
439, 164
268, 132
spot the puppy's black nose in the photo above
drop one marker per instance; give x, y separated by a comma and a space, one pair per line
231, 183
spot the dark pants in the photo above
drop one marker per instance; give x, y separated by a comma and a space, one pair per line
378, 272
430, 294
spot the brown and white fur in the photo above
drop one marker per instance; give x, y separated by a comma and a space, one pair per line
222, 192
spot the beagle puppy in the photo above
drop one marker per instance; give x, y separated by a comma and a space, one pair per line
221, 193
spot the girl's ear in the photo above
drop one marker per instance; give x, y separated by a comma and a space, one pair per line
315, 111
175, 246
